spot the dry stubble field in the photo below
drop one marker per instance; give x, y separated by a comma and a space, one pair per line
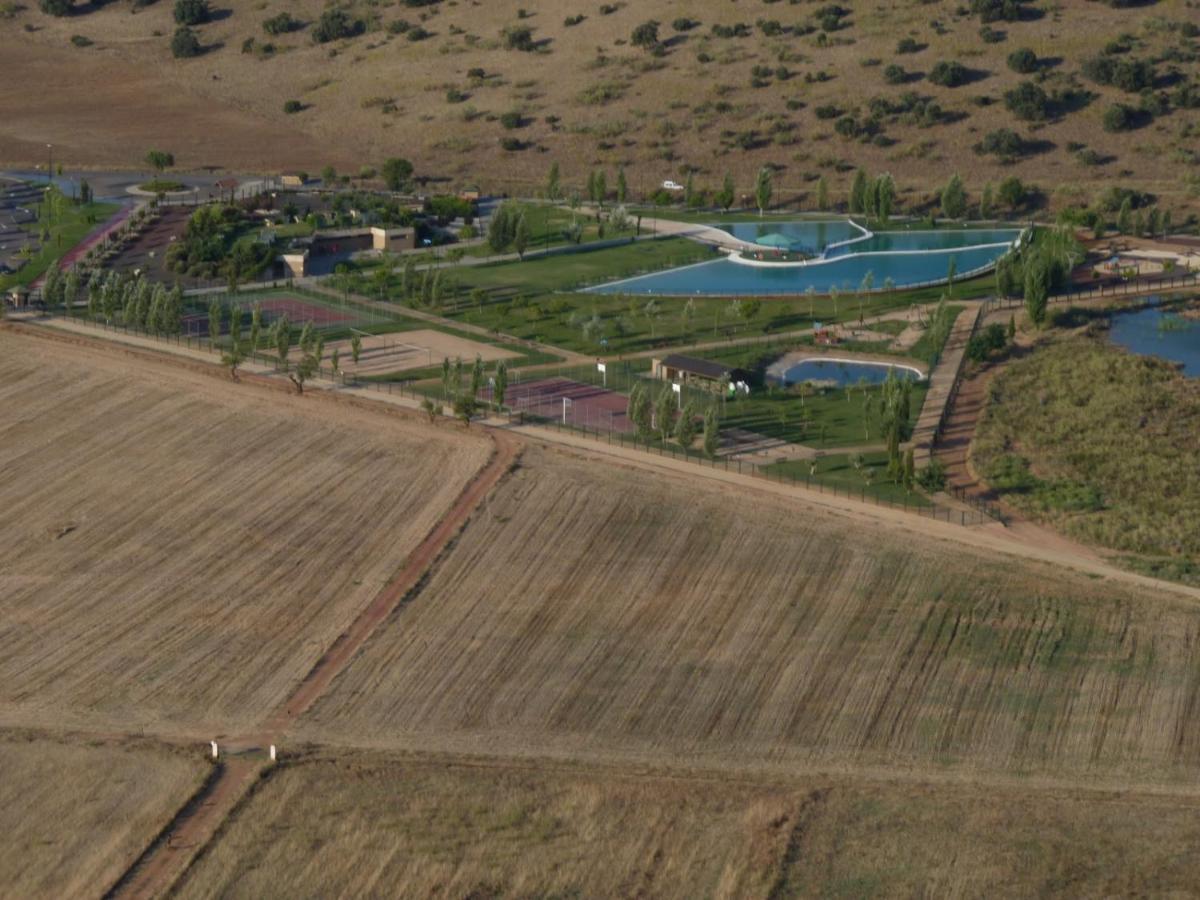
358, 826
74, 815
603, 613
180, 550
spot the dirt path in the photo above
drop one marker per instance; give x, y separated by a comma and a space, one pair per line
161, 865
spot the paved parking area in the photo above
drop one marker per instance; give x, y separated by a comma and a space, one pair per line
18, 222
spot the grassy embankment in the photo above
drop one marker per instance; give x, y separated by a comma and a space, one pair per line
1103, 445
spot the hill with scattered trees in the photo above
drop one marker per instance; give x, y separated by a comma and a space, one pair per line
1069, 98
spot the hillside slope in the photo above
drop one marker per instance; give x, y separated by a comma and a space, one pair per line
802, 86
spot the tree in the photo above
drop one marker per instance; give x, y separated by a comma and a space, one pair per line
985, 202
192, 12
233, 357
638, 410
214, 320
954, 198
335, 361
711, 433
521, 235
1011, 334
184, 43
646, 35
70, 290
1036, 290
858, 192
57, 8
52, 286
464, 408
160, 160
255, 326
909, 469
762, 189
685, 427
235, 324
281, 337
885, 196
664, 406
622, 186
1124, 216
500, 388
397, 173
689, 190
601, 188
1011, 192
726, 195
432, 408
553, 183
476, 376
591, 186
355, 348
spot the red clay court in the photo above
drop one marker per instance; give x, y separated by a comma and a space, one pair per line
299, 312
587, 406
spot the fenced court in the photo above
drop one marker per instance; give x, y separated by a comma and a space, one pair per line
383, 354
569, 402
299, 308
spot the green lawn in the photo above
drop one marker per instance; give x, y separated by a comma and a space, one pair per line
828, 418
73, 225
838, 471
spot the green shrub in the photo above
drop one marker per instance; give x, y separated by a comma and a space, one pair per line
1023, 60
281, 24
185, 44
336, 25
1027, 101
292, 106
1118, 117
192, 12
949, 73
57, 8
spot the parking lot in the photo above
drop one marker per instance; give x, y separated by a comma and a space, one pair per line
18, 223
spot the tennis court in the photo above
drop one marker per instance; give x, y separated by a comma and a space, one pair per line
572, 402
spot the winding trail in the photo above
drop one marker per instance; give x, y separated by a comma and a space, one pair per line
168, 857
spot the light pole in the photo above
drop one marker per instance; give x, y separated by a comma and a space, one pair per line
49, 163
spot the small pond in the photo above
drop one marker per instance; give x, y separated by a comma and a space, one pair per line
1162, 333
844, 372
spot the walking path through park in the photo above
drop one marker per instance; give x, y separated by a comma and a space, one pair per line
941, 383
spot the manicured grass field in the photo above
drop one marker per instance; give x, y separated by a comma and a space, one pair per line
838, 470
827, 418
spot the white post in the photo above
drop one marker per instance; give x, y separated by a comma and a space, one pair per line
272, 753
214, 749
678, 389
564, 414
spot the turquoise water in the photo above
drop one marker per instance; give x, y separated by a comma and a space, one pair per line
1140, 332
845, 373
907, 258
812, 237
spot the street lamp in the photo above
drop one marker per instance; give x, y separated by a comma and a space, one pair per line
49, 163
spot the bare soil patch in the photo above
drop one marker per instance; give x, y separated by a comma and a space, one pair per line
383, 354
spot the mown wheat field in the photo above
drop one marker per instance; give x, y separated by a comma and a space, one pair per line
180, 550
598, 612
74, 815
359, 826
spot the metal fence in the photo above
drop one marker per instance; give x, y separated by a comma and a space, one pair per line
589, 429
1124, 289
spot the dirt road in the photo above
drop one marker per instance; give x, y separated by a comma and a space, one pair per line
168, 857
